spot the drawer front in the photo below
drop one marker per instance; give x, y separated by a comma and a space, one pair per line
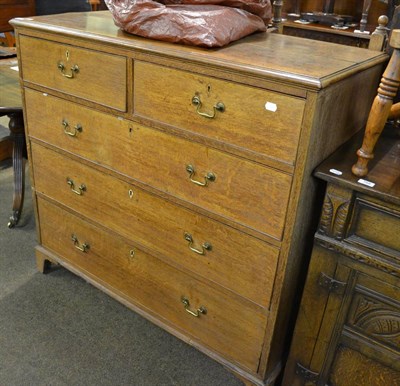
233, 259
228, 326
100, 77
376, 227
264, 122
252, 195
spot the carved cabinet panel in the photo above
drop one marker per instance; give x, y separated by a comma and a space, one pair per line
352, 368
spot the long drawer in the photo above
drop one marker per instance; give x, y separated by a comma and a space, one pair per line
237, 261
227, 325
88, 74
239, 190
262, 121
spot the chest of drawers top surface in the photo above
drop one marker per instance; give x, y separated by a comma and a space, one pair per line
298, 61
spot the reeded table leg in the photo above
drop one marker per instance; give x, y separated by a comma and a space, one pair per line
17, 136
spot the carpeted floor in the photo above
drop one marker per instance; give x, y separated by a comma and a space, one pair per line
56, 329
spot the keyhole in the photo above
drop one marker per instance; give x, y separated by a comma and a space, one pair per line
209, 89
131, 256
67, 55
130, 193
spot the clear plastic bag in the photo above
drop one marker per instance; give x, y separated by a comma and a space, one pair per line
200, 24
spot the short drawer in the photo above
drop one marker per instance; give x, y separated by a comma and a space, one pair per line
87, 74
264, 122
230, 258
376, 227
239, 190
227, 325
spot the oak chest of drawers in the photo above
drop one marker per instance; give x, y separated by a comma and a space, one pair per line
178, 179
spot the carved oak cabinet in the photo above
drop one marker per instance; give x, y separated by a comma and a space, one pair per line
178, 179
348, 329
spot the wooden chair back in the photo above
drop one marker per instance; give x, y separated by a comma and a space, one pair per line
10, 9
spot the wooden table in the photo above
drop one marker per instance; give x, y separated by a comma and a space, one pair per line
14, 144
10, 94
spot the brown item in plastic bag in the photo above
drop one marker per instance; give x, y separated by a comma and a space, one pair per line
201, 25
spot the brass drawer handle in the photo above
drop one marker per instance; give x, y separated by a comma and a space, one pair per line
197, 313
218, 107
74, 70
205, 247
79, 191
71, 132
209, 177
83, 248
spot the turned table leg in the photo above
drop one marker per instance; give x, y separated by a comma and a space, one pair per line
380, 108
17, 135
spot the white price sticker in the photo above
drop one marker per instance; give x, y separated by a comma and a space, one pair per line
335, 171
366, 183
271, 106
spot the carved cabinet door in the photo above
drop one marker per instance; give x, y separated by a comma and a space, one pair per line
319, 314
348, 328
367, 351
